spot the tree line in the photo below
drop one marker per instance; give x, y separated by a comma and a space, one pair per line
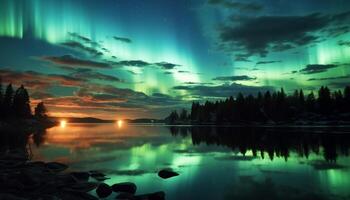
15, 104
274, 106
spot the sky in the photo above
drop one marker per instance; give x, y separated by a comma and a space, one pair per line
117, 59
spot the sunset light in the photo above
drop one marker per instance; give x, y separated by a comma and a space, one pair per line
63, 123
120, 123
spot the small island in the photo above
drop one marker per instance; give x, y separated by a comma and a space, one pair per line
271, 108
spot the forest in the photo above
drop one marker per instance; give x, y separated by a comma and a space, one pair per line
15, 104
269, 107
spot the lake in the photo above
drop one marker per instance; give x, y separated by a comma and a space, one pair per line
213, 162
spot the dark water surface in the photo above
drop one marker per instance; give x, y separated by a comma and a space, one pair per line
213, 162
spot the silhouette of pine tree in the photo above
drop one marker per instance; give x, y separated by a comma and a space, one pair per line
183, 115
347, 99
40, 111
7, 102
324, 100
338, 100
310, 102
21, 103
1, 100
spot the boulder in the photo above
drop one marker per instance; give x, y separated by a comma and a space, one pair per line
125, 196
152, 196
167, 173
126, 187
56, 167
98, 175
81, 187
80, 176
103, 190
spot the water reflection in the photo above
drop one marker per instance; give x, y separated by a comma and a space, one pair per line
275, 142
213, 162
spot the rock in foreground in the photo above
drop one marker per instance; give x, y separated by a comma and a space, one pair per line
167, 173
103, 190
126, 187
151, 196
24, 180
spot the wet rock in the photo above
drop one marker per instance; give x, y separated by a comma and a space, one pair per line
103, 190
80, 176
6, 164
125, 196
39, 180
127, 187
28, 180
56, 167
100, 178
64, 179
10, 197
82, 187
98, 175
73, 195
38, 164
167, 173
152, 196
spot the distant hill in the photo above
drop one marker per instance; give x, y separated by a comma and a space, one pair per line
97, 120
145, 120
82, 120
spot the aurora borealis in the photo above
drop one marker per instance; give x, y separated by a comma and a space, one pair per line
132, 59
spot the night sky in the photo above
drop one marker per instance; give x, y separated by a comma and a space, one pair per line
130, 58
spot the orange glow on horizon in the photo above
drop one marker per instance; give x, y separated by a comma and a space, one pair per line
120, 123
63, 123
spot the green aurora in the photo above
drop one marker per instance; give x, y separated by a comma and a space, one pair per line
161, 55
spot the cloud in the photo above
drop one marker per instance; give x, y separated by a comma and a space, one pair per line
317, 68
126, 98
142, 64
70, 60
336, 31
87, 74
166, 65
247, 7
242, 58
37, 80
330, 78
132, 63
41, 95
79, 46
261, 34
224, 90
268, 62
122, 39
344, 43
247, 69
234, 78
83, 39
80, 37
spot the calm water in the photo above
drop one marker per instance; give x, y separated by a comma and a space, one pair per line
214, 163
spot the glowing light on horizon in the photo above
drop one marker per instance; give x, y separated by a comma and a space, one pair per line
63, 123
120, 123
